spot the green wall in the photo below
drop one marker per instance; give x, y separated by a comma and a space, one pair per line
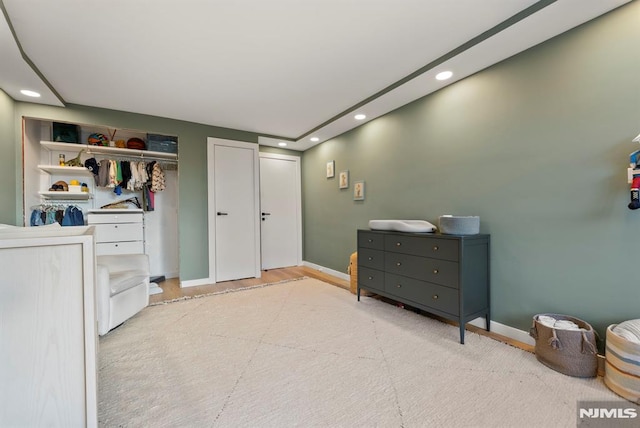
537, 146
8, 172
192, 167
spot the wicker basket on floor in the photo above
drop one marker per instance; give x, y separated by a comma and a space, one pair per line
622, 366
571, 352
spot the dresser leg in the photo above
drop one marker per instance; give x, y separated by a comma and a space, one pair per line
461, 332
358, 292
488, 320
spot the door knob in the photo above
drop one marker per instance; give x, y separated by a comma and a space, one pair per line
221, 213
266, 213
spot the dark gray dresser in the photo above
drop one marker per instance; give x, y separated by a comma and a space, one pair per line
446, 275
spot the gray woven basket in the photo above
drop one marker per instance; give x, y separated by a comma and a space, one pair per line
459, 225
571, 352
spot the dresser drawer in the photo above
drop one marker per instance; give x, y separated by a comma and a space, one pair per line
111, 248
445, 249
118, 232
371, 258
441, 272
370, 240
432, 295
370, 279
114, 218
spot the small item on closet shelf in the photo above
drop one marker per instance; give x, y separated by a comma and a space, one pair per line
75, 161
112, 135
136, 143
84, 187
97, 139
123, 203
61, 159
65, 133
121, 144
59, 186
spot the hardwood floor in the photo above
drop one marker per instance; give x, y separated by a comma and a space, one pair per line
171, 287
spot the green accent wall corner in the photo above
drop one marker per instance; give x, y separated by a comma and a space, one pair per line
537, 146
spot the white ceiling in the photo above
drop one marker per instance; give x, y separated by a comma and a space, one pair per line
286, 69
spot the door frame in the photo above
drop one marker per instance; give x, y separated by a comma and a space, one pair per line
298, 196
211, 203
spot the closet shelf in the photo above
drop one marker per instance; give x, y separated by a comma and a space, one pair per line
65, 170
76, 196
142, 154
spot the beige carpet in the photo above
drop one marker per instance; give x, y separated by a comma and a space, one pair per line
305, 353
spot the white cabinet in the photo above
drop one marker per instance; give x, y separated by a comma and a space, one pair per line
48, 334
118, 231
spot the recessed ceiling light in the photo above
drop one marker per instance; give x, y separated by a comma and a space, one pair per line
360, 116
444, 75
282, 144
314, 139
29, 93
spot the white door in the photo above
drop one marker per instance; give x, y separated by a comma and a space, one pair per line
234, 222
280, 210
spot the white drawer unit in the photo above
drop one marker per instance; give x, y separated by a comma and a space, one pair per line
118, 231
113, 248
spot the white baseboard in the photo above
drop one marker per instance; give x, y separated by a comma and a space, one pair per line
505, 330
170, 275
328, 271
196, 282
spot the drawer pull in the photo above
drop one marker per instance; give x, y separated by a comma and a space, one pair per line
369, 240
435, 297
398, 244
398, 264
116, 226
370, 258
435, 271
370, 278
399, 285
435, 248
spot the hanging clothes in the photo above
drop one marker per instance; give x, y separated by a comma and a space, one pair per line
113, 171
118, 172
148, 200
103, 173
157, 179
73, 216
142, 173
125, 166
92, 165
64, 215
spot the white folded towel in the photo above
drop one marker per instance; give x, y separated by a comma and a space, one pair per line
557, 324
547, 321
